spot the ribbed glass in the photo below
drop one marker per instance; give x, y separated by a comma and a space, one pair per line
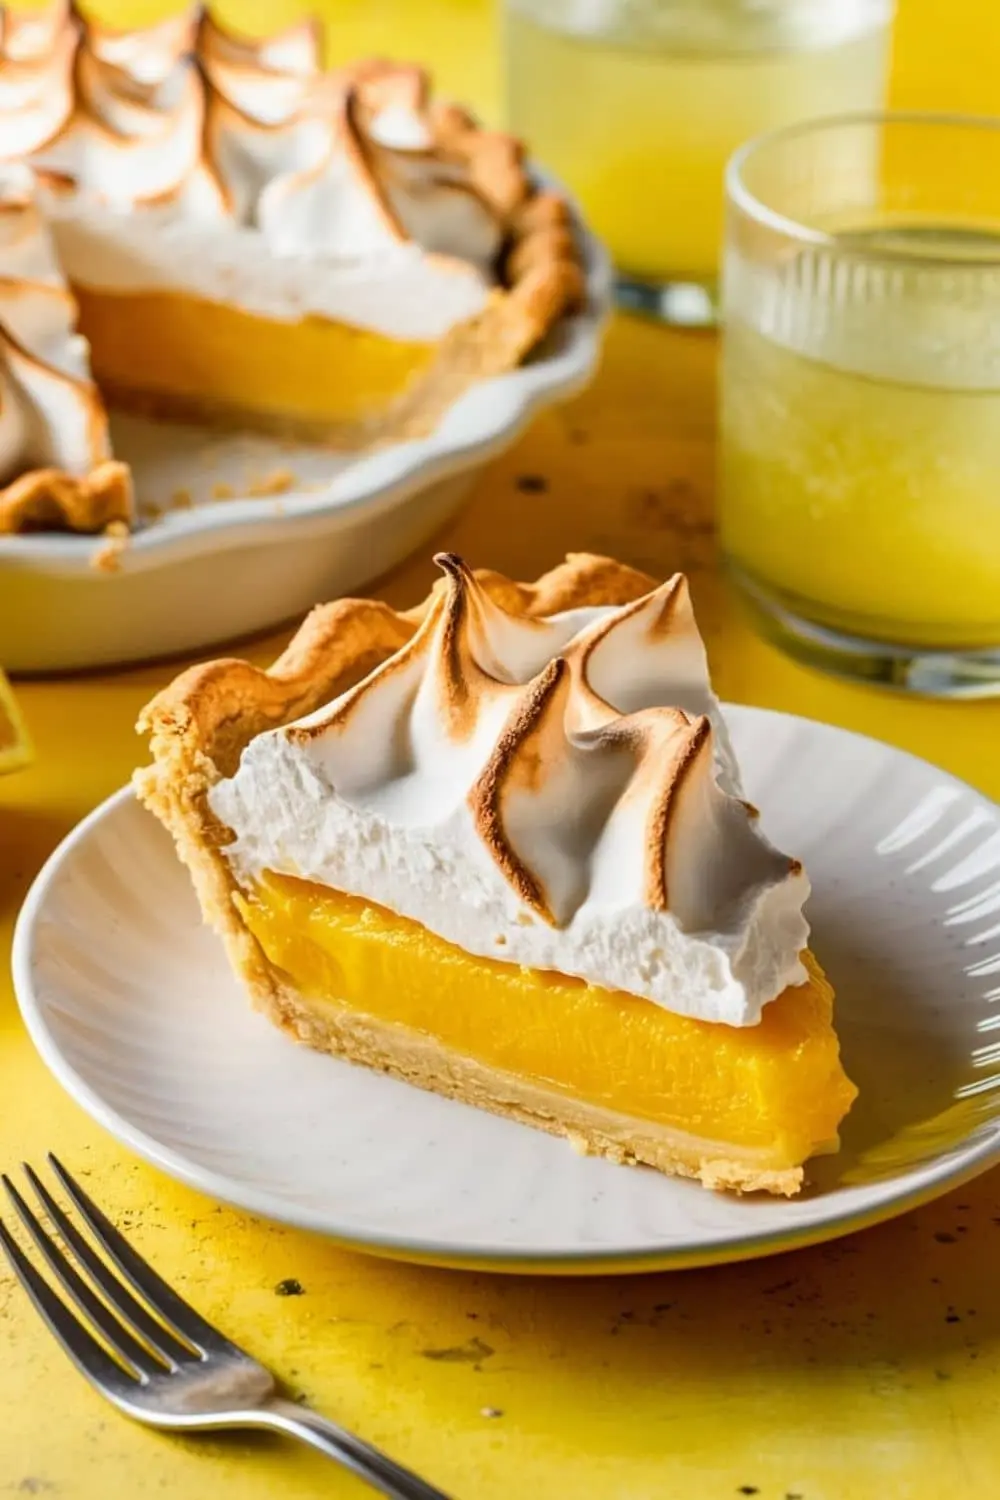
860, 420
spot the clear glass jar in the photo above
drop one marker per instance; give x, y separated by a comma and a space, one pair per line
636, 105
859, 504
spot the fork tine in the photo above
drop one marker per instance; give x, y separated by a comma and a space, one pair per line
82, 1348
153, 1333
140, 1362
179, 1315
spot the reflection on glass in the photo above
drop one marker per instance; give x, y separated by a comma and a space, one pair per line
860, 504
637, 104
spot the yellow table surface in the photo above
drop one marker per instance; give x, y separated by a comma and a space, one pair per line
868, 1368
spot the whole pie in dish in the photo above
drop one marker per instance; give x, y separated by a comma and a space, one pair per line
201, 226
496, 845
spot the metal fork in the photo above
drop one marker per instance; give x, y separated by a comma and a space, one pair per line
170, 1368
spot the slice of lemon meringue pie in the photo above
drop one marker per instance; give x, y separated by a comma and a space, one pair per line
245, 237
497, 846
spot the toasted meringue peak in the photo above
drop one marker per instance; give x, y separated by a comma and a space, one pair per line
135, 132
147, 57
375, 203
429, 185
344, 162
50, 414
558, 792
267, 118
29, 35
26, 249
53, 428
269, 79
37, 49
382, 181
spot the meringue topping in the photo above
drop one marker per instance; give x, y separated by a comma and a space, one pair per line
150, 111
268, 80
558, 792
267, 119
37, 50
50, 413
381, 183
55, 464
372, 201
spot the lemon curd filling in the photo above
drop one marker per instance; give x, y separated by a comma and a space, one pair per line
194, 356
777, 1089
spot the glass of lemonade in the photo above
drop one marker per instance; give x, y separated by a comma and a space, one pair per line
636, 105
859, 504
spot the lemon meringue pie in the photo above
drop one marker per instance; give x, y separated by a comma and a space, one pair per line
244, 237
497, 846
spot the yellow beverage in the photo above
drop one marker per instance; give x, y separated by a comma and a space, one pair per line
638, 107
860, 479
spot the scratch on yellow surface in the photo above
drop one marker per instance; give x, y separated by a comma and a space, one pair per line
858, 1371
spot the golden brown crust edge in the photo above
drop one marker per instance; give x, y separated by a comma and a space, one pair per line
52, 500
199, 725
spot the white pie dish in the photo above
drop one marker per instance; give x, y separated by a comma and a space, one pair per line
225, 568
131, 1004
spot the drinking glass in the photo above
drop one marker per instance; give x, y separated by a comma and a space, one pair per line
859, 504
636, 105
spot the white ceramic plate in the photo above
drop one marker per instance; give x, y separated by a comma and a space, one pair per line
224, 568
131, 1004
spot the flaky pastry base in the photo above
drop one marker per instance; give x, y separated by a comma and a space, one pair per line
52, 500
198, 727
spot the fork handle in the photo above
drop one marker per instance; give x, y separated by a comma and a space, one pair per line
380, 1471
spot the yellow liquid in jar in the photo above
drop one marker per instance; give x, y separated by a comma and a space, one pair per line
641, 132
860, 469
